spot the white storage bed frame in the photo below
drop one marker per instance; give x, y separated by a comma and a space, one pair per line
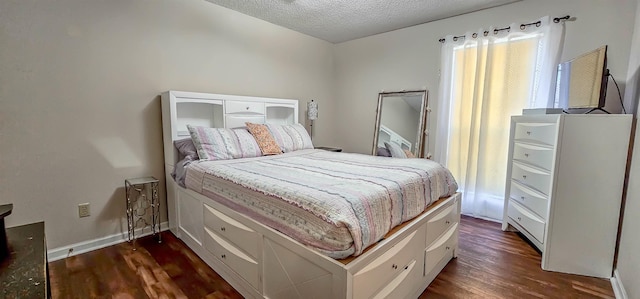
260, 262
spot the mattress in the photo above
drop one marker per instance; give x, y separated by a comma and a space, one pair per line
335, 203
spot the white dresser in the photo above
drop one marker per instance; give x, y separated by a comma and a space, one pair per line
564, 187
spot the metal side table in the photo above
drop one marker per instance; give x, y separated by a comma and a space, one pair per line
142, 199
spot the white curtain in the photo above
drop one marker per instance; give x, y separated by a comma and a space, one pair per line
486, 77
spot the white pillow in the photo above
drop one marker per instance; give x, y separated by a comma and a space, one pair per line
291, 137
395, 150
223, 144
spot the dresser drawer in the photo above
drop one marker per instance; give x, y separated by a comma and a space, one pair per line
237, 260
234, 107
439, 224
390, 264
235, 232
234, 121
403, 285
537, 132
529, 221
534, 155
533, 200
441, 248
534, 178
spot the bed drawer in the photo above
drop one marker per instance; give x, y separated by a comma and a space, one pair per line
534, 155
235, 232
237, 260
441, 248
403, 285
440, 223
537, 132
534, 178
535, 201
236, 107
387, 266
529, 221
234, 121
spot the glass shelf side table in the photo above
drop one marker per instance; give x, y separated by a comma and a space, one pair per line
142, 199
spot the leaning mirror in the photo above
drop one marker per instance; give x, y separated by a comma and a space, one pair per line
401, 122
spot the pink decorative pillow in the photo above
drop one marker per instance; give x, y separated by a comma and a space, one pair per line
409, 153
265, 140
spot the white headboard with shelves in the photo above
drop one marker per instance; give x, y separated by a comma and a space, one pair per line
180, 108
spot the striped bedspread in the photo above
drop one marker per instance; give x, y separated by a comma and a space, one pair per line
336, 203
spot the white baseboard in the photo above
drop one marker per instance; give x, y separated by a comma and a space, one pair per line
618, 288
90, 245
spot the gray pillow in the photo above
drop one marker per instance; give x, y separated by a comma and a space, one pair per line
383, 151
395, 150
187, 149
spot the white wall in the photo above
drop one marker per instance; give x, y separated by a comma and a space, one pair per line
628, 262
410, 58
79, 104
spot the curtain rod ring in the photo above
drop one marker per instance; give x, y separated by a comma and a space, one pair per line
486, 33
538, 24
474, 35
523, 26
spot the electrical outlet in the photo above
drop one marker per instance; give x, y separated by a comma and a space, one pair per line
84, 210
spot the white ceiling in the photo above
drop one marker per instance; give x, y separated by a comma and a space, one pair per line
343, 20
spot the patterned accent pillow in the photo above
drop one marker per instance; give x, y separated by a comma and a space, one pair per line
408, 153
395, 150
263, 137
291, 137
248, 147
214, 143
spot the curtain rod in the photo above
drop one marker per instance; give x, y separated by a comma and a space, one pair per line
522, 27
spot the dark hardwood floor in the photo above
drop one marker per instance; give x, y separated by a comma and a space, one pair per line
490, 264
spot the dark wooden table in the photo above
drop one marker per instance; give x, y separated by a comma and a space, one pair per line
24, 273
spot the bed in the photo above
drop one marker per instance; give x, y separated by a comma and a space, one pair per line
261, 224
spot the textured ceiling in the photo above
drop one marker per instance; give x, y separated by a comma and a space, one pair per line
342, 20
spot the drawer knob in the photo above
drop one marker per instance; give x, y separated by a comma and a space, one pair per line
247, 108
394, 266
448, 248
406, 267
528, 132
223, 256
447, 222
223, 228
522, 197
524, 177
519, 219
526, 155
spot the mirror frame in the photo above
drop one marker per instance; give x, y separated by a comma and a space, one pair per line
422, 133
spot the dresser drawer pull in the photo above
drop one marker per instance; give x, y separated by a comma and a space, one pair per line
528, 132
524, 177
223, 256
247, 107
526, 155
519, 219
447, 222
394, 266
223, 228
406, 267
522, 197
